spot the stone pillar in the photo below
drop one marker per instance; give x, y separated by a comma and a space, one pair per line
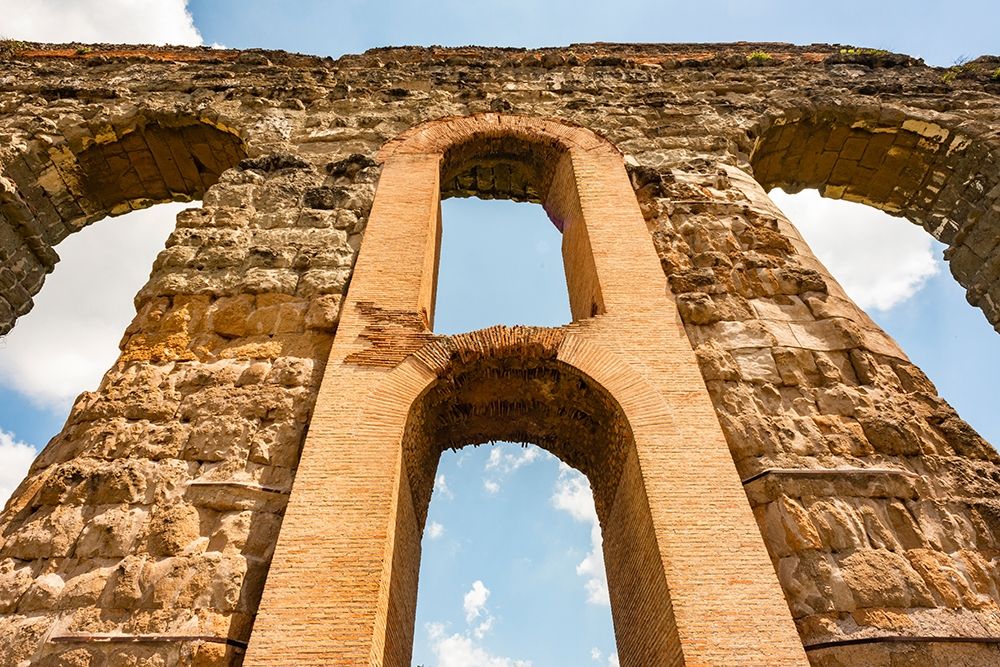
852, 463
144, 531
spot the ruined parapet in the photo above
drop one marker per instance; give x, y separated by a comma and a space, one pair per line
147, 526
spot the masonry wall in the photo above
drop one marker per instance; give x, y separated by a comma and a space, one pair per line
153, 514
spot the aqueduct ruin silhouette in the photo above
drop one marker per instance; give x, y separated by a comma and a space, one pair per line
776, 483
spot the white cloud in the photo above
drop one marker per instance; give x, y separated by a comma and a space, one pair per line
506, 459
573, 495
114, 21
441, 486
613, 661
879, 260
70, 338
484, 627
495, 455
475, 601
595, 654
592, 567
474, 604
458, 650
435, 530
461, 649
506, 462
15, 458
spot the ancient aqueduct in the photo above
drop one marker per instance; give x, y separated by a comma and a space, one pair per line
777, 484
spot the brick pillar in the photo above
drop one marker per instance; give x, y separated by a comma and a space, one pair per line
728, 606
691, 580
326, 600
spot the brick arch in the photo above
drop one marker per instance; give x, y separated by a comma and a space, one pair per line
921, 165
524, 158
341, 588
59, 183
555, 389
502, 156
508, 384
443, 134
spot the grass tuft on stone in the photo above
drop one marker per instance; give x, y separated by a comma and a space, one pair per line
759, 57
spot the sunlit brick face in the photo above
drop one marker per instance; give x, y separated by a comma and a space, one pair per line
628, 425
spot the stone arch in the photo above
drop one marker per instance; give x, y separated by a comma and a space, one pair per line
86, 170
931, 168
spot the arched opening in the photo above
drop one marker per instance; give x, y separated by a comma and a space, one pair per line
520, 392
522, 524
834, 430
937, 177
919, 170
57, 187
523, 168
508, 158
94, 170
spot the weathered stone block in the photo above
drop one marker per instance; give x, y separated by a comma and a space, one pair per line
880, 578
110, 532
173, 529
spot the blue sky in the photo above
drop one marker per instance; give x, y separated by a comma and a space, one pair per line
939, 31
514, 519
510, 575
